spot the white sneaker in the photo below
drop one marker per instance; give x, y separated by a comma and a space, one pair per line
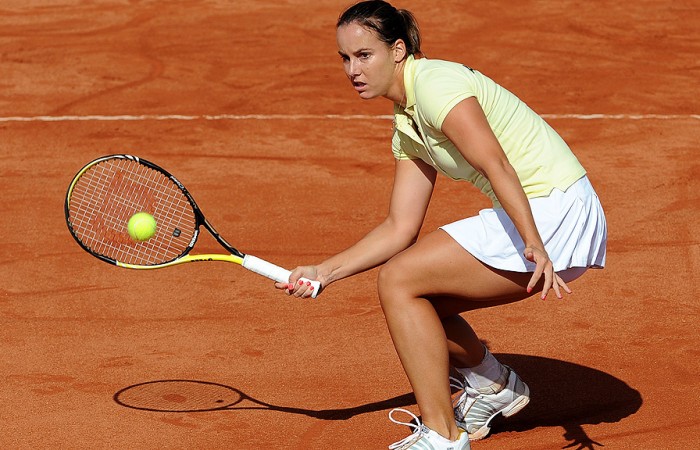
423, 438
474, 410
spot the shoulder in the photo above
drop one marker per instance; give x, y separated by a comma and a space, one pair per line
439, 85
431, 72
436, 78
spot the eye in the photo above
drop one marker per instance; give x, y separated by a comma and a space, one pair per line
364, 55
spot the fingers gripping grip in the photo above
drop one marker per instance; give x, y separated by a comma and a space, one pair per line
277, 273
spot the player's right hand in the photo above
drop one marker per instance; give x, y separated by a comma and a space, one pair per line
297, 287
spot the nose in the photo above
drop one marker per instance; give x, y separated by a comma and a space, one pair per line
353, 68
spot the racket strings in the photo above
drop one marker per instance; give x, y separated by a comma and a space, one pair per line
108, 193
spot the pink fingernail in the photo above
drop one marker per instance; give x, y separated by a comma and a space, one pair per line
311, 288
308, 283
290, 286
529, 290
300, 282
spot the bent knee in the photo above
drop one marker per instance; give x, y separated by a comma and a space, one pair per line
393, 277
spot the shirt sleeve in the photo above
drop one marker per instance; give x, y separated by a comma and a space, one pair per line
441, 89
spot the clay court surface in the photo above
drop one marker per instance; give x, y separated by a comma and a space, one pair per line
246, 102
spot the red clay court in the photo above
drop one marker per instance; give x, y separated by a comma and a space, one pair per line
247, 104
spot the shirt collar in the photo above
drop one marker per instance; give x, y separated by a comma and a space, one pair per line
409, 70
403, 117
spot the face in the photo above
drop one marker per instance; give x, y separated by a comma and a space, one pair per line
369, 63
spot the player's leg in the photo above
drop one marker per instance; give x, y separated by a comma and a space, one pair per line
463, 344
437, 267
489, 388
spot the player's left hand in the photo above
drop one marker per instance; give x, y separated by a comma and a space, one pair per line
544, 267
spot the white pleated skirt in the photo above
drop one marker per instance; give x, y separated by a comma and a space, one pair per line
572, 226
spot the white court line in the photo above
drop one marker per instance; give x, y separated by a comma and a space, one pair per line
621, 116
195, 117
145, 117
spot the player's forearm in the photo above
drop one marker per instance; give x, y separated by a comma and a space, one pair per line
377, 247
510, 194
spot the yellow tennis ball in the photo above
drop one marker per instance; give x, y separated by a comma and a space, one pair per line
142, 226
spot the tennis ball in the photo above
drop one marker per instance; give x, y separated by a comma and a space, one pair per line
141, 226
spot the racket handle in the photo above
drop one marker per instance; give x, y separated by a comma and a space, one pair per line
273, 272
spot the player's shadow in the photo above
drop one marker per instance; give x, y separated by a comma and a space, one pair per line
563, 395
568, 395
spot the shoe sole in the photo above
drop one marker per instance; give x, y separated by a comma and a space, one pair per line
515, 407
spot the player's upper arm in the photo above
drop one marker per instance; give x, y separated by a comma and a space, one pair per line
413, 186
468, 129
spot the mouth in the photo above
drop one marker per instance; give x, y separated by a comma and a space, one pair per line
359, 86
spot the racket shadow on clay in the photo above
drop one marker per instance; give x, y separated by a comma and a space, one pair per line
187, 396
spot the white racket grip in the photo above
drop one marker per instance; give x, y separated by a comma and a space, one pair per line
277, 273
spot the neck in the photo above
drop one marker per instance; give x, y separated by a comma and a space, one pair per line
397, 91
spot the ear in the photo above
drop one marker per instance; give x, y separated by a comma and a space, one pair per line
399, 50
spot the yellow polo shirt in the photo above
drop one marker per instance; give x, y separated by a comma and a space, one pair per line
540, 157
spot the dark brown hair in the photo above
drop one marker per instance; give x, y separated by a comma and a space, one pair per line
389, 24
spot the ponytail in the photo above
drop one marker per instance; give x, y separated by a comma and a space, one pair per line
412, 32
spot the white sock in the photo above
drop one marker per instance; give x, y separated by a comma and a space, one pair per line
489, 377
440, 438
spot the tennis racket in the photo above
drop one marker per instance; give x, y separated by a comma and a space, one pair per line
109, 190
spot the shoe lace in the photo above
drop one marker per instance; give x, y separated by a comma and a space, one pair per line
417, 428
463, 402
462, 385
457, 383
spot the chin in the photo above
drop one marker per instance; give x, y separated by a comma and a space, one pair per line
367, 95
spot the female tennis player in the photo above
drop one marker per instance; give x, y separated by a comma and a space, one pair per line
545, 229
